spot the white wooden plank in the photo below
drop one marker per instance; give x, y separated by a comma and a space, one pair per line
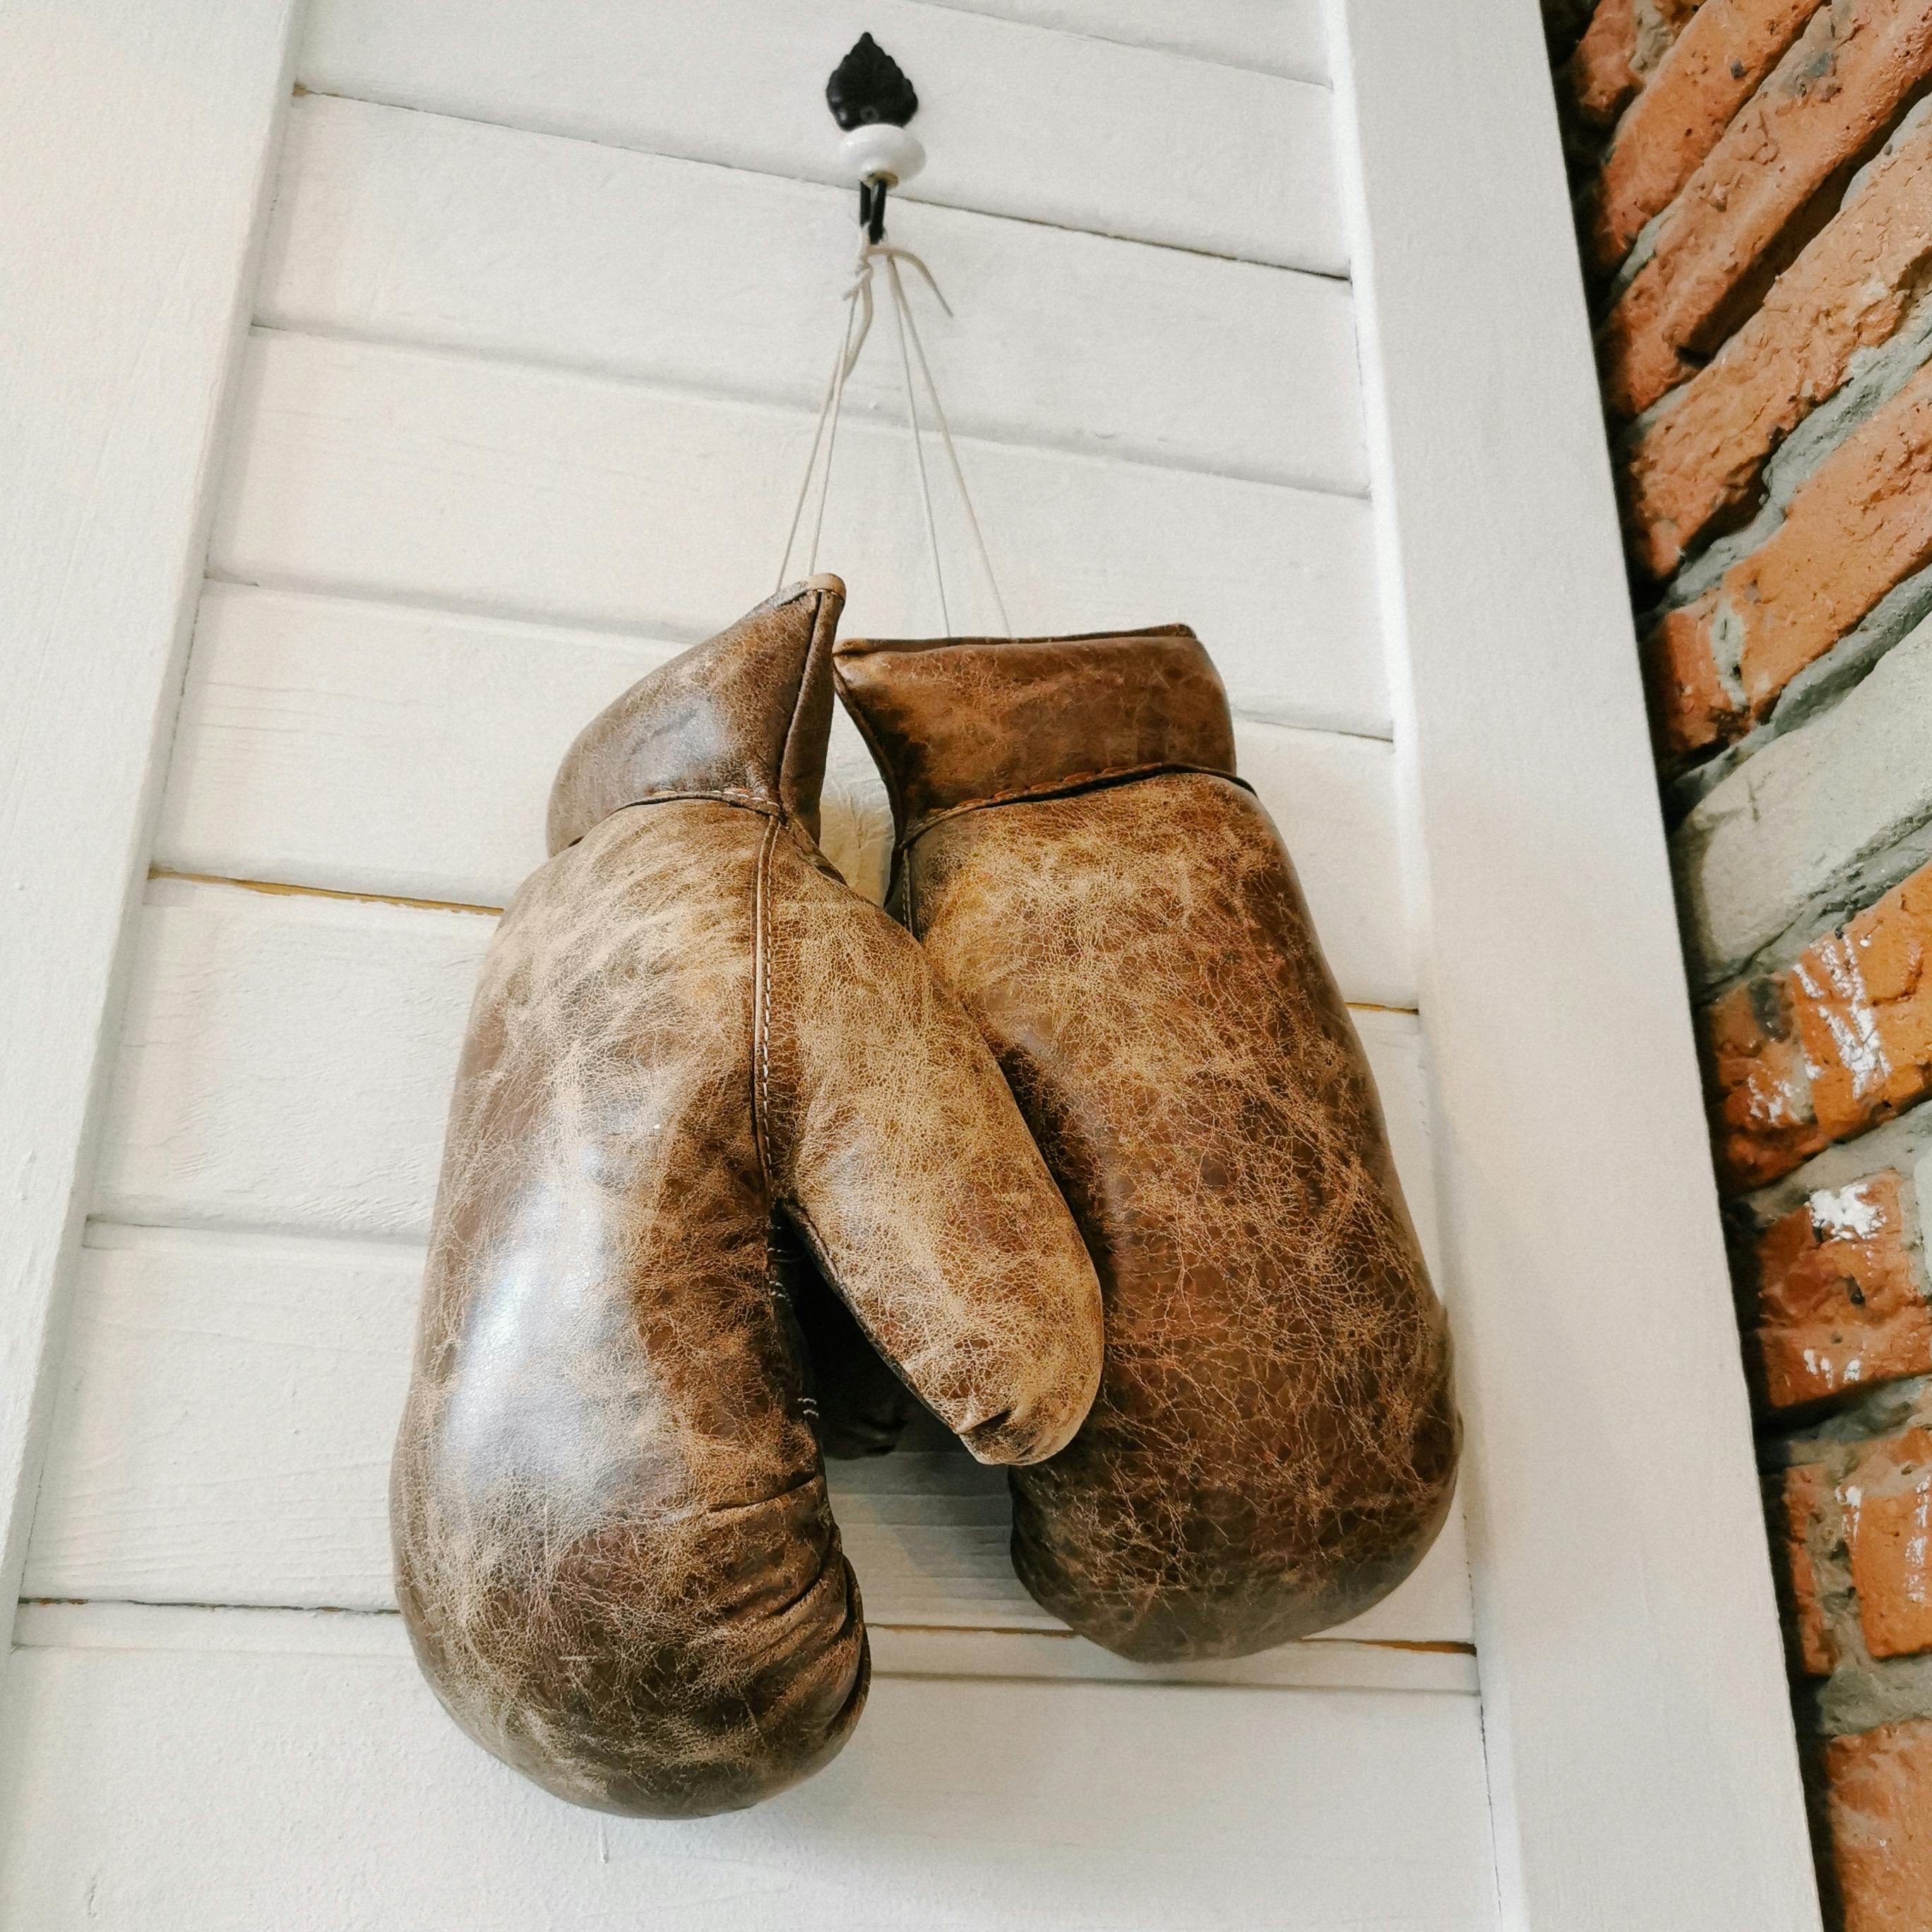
371, 748
560, 497
1284, 37
1016, 120
138, 137
367, 747
395, 225
1640, 1748
226, 1412
166, 1787
286, 1063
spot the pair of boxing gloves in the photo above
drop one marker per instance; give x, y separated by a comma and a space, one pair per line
1084, 1145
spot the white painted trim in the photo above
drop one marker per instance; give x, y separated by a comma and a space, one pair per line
1643, 1766
140, 138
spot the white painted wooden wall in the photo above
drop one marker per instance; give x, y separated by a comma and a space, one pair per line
522, 380
541, 319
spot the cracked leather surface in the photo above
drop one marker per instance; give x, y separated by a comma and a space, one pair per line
1274, 1444
694, 1056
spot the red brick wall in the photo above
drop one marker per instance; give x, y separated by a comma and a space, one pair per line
1754, 191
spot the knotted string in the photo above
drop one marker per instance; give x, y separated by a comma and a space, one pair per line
859, 313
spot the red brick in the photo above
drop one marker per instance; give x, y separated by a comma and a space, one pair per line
1839, 1042
1624, 40
1841, 1301
1879, 1798
1804, 1500
1714, 67
1745, 210
1691, 707
1865, 1012
1762, 1121
1849, 289
1858, 525
1887, 1505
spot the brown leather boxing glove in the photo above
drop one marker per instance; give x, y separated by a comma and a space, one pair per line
1274, 1443
692, 1046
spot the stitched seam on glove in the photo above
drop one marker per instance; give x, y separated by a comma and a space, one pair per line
747, 801
761, 1007
1116, 774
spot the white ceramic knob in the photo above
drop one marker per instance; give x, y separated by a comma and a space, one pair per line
880, 151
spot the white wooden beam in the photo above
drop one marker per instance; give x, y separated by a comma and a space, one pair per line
1643, 1769
138, 138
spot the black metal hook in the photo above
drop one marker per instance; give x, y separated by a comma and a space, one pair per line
866, 88
869, 85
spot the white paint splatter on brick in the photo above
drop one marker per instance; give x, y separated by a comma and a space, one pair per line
1846, 1213
1846, 1010
1915, 1544
1825, 1372
1851, 1498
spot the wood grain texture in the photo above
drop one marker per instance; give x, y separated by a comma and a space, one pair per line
560, 497
413, 227
139, 137
1016, 119
1641, 1756
291, 1789
366, 748
287, 1061
1283, 37
223, 1435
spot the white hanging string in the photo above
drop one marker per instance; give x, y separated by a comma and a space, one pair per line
859, 313
946, 430
828, 412
918, 440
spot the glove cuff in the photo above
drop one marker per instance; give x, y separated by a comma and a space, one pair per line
744, 717
955, 722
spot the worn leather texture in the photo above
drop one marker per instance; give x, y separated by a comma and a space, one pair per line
1274, 1444
695, 1060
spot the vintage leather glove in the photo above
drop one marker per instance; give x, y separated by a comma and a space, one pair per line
692, 1046
1274, 1443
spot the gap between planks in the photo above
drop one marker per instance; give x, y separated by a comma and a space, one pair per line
975, 1652
281, 889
